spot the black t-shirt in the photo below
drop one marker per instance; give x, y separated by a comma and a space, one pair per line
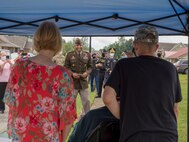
148, 88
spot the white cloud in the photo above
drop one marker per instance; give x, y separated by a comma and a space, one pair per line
174, 39
99, 42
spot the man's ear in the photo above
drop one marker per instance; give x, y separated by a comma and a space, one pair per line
136, 47
156, 47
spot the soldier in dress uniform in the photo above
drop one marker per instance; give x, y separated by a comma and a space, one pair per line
110, 63
79, 63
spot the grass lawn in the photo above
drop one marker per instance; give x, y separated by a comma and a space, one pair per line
79, 104
182, 119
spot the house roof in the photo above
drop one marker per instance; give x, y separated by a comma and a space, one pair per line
166, 46
6, 43
15, 41
18, 40
171, 46
169, 53
179, 53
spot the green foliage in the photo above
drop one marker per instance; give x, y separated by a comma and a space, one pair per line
121, 45
182, 119
79, 104
69, 46
85, 41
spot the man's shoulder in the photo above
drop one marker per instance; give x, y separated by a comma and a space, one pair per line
127, 62
71, 52
167, 63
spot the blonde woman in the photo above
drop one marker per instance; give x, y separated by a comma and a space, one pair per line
40, 93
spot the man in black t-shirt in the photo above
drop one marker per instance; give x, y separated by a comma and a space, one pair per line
149, 91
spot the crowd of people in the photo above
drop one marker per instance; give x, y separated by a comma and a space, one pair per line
141, 91
102, 66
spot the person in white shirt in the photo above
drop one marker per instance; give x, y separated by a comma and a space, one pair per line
5, 69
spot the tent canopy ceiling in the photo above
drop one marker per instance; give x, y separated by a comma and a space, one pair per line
95, 17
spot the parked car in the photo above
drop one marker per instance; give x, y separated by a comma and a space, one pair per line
182, 66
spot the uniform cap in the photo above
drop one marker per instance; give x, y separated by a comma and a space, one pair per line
78, 41
112, 50
147, 34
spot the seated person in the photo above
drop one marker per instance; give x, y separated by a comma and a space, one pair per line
86, 126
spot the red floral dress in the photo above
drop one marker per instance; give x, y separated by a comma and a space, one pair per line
41, 102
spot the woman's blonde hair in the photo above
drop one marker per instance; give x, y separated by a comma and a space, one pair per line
47, 37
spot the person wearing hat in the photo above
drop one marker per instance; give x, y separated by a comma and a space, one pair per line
127, 54
80, 66
123, 55
110, 63
149, 91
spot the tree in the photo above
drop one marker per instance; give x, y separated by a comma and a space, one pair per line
67, 47
121, 45
85, 41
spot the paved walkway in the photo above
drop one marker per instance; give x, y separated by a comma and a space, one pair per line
3, 126
97, 103
3, 121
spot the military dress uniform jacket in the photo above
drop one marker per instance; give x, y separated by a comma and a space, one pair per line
110, 64
79, 64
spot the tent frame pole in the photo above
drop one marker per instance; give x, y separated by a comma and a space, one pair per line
177, 14
90, 41
93, 22
187, 33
